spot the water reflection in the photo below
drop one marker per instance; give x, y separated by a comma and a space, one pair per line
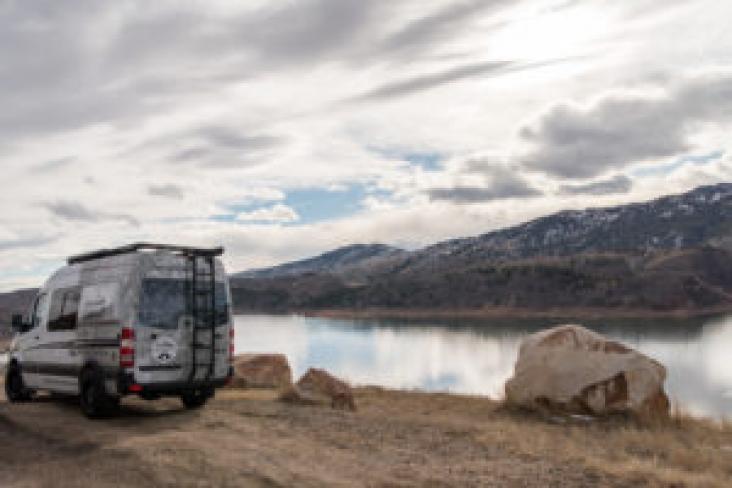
472, 356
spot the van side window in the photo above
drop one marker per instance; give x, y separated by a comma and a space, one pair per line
64, 309
39, 310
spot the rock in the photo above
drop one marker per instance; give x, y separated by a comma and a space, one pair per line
293, 394
570, 369
261, 371
318, 387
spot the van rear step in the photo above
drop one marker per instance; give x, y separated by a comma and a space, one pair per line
126, 384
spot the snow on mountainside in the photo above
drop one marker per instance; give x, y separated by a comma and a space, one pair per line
701, 216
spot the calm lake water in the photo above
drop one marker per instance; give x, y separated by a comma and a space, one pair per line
477, 356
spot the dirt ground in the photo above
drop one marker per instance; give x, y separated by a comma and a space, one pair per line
245, 438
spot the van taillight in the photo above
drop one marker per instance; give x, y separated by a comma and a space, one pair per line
127, 348
231, 344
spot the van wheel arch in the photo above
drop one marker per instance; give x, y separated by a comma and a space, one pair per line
94, 400
15, 389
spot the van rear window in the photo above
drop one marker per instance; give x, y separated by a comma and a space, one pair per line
164, 302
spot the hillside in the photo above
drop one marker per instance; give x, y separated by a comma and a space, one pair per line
338, 260
14, 302
670, 254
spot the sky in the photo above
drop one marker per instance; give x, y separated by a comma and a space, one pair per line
283, 129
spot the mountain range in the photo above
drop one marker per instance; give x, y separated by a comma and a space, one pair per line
671, 254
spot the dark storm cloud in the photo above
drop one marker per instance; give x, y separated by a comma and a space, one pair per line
610, 186
570, 141
500, 183
168, 191
76, 212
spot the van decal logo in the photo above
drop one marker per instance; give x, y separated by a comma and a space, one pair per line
164, 350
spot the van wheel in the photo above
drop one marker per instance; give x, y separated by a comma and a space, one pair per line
93, 398
195, 398
15, 389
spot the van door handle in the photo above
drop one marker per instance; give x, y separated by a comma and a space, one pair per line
37, 337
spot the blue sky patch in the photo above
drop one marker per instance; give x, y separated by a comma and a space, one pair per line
318, 204
311, 204
667, 168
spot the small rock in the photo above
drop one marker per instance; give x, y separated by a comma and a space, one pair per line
318, 387
261, 371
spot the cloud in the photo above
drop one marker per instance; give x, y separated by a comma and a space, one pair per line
192, 154
219, 146
52, 165
32, 242
423, 34
75, 211
278, 213
149, 97
168, 191
500, 183
87, 64
616, 184
222, 136
571, 141
457, 73
302, 32
426, 82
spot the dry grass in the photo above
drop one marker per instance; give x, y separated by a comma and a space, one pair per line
682, 451
397, 438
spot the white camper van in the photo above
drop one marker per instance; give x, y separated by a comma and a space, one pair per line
144, 319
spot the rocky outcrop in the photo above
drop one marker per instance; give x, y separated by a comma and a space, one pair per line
571, 369
261, 371
318, 387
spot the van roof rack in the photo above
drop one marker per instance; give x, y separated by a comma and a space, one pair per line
140, 246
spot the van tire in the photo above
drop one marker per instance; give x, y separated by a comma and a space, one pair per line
195, 398
93, 398
15, 390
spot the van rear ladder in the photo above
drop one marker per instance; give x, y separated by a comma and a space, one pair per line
201, 306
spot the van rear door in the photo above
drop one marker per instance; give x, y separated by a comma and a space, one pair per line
168, 338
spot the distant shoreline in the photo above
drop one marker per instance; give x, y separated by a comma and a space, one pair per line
501, 313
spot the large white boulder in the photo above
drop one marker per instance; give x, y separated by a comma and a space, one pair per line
574, 370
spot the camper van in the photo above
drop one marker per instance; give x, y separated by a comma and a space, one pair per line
146, 319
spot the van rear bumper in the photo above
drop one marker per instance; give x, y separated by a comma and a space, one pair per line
127, 385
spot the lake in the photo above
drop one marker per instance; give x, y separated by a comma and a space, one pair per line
477, 356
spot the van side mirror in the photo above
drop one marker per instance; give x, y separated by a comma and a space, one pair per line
17, 324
